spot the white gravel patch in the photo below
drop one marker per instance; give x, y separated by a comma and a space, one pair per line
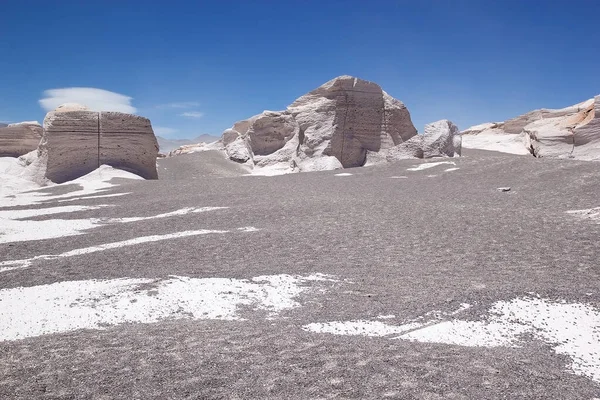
424, 166
99, 196
344, 174
572, 329
93, 183
14, 229
359, 328
592, 214
98, 304
24, 263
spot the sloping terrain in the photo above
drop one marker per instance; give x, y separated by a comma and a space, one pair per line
211, 284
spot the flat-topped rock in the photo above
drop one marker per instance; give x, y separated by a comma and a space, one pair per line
77, 142
127, 142
20, 138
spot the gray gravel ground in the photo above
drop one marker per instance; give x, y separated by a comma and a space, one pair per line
406, 246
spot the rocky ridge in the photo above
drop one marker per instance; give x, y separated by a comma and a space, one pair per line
570, 132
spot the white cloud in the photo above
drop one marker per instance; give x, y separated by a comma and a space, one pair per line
192, 114
183, 104
95, 99
163, 130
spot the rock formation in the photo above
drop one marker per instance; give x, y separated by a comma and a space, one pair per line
18, 139
334, 126
568, 132
77, 141
440, 139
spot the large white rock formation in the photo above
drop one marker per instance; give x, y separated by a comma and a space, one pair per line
568, 132
77, 141
19, 139
334, 126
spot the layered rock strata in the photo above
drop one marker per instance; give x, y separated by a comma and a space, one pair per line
19, 139
77, 142
333, 126
568, 132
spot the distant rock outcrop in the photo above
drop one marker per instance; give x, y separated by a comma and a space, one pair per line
568, 132
76, 142
166, 145
333, 126
19, 139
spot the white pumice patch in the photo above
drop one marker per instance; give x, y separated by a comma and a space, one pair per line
359, 328
97, 304
99, 196
424, 166
93, 183
14, 229
572, 329
592, 214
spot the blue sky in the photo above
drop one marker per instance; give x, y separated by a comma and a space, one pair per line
196, 67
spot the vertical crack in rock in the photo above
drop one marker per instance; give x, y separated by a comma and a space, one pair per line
99, 129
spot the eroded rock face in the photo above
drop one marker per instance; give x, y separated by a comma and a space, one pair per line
19, 139
127, 142
345, 119
440, 139
77, 142
568, 132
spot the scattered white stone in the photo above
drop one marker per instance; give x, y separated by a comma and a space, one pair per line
344, 174
451, 169
398, 177
503, 189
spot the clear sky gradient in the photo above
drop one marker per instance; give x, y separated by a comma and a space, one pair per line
196, 67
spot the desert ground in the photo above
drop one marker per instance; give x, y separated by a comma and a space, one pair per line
391, 281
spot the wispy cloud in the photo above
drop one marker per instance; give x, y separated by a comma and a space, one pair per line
95, 99
183, 104
192, 114
163, 130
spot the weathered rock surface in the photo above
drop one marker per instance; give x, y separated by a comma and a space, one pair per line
344, 119
239, 150
77, 142
568, 132
127, 142
18, 139
440, 139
